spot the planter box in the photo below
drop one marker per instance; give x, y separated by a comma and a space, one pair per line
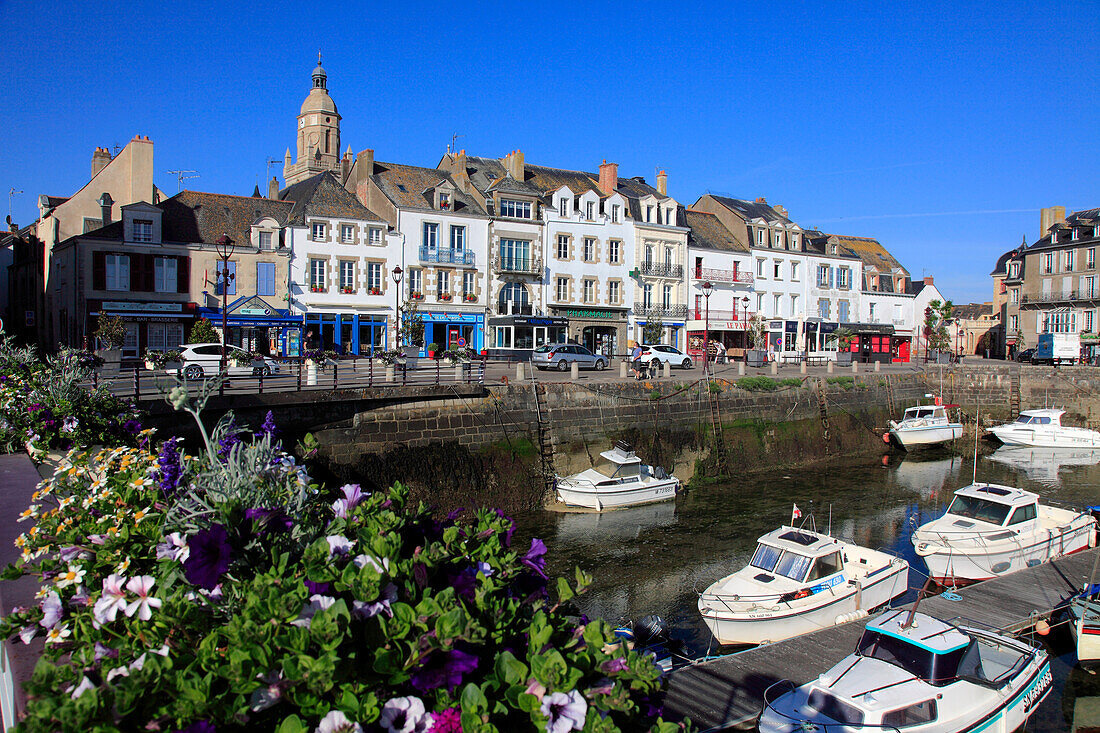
843, 358
112, 361
755, 357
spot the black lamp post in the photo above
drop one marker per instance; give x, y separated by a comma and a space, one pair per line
396, 275
708, 288
224, 245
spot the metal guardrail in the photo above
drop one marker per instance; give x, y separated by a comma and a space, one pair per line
661, 269
447, 256
298, 376
1060, 297
518, 265
723, 276
661, 311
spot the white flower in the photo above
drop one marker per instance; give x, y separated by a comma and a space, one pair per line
58, 634
52, 611
112, 601
316, 603
337, 722
339, 544
28, 633
73, 576
118, 672
174, 548
141, 587
364, 560
405, 715
84, 686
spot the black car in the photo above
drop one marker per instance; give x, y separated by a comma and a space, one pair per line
1025, 356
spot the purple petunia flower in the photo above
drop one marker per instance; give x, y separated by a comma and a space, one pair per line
199, 726
611, 666
405, 715
269, 521
564, 712
169, 466
132, 426
268, 427
511, 528
536, 557
208, 558
361, 609
443, 669
318, 589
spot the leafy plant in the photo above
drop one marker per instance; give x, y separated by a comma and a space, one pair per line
159, 359
433, 346
790, 382
844, 338
757, 384
758, 332
412, 323
654, 330
936, 318
203, 332
842, 382
111, 332
242, 358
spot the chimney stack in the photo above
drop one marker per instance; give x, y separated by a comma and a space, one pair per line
927, 279
1050, 216
513, 165
100, 158
105, 204
364, 169
782, 210
273, 188
609, 177
760, 200
662, 183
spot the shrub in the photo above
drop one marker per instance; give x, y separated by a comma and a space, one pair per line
715, 387
111, 332
757, 384
842, 382
203, 332
790, 382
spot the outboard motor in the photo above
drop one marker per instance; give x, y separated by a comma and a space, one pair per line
651, 629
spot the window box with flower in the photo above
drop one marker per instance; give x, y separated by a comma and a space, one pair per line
469, 298
445, 297
416, 295
316, 289
375, 291
155, 359
347, 289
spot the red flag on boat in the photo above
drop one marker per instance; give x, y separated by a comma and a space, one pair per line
796, 513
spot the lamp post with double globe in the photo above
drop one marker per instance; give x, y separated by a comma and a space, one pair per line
224, 246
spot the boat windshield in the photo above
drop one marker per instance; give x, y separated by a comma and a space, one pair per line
781, 562
983, 510
765, 557
617, 470
933, 668
825, 704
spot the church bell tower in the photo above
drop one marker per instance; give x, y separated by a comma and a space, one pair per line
318, 140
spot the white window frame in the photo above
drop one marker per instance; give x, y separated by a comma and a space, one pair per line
563, 207
589, 252
347, 275
613, 251
562, 289
416, 280
318, 274
469, 284
563, 247
117, 272
266, 241
794, 270
589, 290
374, 236
590, 210
442, 283
165, 274
143, 230
615, 213
374, 276
666, 296
515, 209
317, 232
347, 234
613, 292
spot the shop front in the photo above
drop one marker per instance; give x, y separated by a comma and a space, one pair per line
871, 342
515, 337
255, 325
454, 330
345, 333
723, 335
783, 337
600, 330
148, 325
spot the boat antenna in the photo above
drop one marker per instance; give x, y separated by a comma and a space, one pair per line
830, 532
977, 427
920, 594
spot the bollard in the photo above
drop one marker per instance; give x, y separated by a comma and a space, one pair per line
878, 366
574, 371
519, 371
802, 368
261, 390
829, 366
668, 370
855, 367
775, 367
335, 375
390, 373
740, 368
623, 369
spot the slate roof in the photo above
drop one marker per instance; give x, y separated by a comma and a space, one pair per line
405, 186
708, 232
551, 179
751, 209
871, 252
972, 311
195, 217
511, 185
323, 196
1001, 268
1085, 218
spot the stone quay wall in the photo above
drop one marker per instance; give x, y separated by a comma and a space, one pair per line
1075, 389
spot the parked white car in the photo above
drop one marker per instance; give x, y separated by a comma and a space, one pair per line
199, 361
665, 355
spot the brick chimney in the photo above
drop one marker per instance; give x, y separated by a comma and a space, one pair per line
928, 280
273, 188
781, 210
609, 177
1050, 216
760, 200
100, 158
458, 171
105, 204
662, 183
513, 165
364, 169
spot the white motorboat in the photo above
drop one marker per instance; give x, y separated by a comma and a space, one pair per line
619, 479
990, 530
924, 425
1084, 611
800, 581
1044, 429
927, 676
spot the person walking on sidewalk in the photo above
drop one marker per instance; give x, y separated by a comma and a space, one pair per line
636, 361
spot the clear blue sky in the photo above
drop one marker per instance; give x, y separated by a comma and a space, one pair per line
939, 129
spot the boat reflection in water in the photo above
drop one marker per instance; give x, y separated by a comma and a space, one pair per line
597, 528
928, 476
1044, 465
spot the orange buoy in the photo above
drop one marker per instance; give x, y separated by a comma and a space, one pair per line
886, 438
1042, 628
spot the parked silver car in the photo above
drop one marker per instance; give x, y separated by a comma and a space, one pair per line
657, 354
198, 361
560, 356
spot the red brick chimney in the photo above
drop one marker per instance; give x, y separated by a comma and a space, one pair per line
662, 183
609, 177
364, 169
928, 280
513, 165
760, 200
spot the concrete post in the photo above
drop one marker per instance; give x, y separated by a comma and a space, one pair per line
775, 367
574, 371
668, 370
829, 366
740, 368
390, 373
520, 372
855, 367
878, 366
802, 368
623, 368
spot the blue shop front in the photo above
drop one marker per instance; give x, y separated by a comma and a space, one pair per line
362, 333
256, 325
454, 329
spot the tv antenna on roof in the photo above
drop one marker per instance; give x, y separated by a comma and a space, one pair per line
11, 196
453, 147
182, 176
271, 162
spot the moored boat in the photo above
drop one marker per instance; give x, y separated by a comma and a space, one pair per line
923, 426
991, 530
619, 479
799, 581
915, 672
1044, 429
1084, 624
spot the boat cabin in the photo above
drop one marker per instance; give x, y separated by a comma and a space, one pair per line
619, 463
929, 649
925, 412
1040, 417
1003, 506
797, 554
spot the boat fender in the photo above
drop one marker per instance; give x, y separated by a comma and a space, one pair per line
886, 438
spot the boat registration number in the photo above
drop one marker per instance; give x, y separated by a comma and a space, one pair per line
1035, 694
827, 584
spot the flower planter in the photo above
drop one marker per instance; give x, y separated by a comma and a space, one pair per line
843, 358
756, 357
112, 361
431, 354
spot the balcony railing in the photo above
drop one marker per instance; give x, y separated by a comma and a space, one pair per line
661, 269
723, 276
718, 315
517, 265
660, 311
1063, 296
508, 308
446, 256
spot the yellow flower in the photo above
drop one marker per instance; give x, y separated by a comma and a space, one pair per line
123, 566
65, 502
141, 514
58, 633
111, 531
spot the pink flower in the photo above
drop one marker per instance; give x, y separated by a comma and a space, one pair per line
112, 601
141, 587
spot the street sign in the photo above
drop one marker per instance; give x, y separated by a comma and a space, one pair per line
462, 343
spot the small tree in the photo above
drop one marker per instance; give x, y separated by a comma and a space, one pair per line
202, 332
844, 338
412, 324
936, 317
758, 330
111, 332
654, 330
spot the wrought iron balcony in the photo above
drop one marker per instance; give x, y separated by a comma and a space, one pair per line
512, 265
509, 308
661, 269
1063, 296
719, 315
660, 311
446, 256
739, 277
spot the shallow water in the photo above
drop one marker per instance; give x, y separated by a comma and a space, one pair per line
655, 559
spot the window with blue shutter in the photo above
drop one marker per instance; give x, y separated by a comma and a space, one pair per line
265, 278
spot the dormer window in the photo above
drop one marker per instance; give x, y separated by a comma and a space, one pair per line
833, 249
794, 241
649, 214
563, 207
615, 213
670, 216
444, 200
143, 230
515, 209
590, 210
265, 240
778, 240
1073, 234
760, 237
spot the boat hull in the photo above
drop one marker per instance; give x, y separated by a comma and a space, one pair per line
1085, 628
731, 625
623, 495
909, 438
1060, 437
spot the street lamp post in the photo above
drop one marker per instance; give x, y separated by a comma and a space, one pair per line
745, 308
396, 275
224, 246
707, 290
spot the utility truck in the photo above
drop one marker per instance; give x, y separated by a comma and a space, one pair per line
1057, 348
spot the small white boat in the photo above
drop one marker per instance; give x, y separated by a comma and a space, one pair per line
924, 425
619, 479
1044, 429
800, 581
990, 530
1084, 611
927, 676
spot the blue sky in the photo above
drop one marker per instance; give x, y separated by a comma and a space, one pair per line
939, 129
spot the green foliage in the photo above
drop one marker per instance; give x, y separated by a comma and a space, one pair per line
844, 338
842, 382
111, 332
936, 318
654, 330
757, 384
203, 332
412, 323
790, 382
655, 394
433, 346
715, 387
758, 332
159, 359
